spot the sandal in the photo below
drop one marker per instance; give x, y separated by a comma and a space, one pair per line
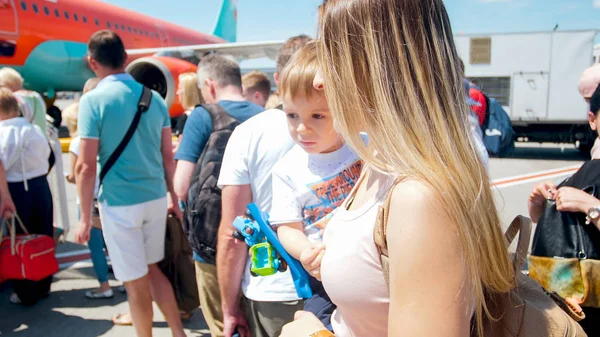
94, 294
122, 319
14, 299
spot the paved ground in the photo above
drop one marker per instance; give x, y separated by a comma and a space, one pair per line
68, 313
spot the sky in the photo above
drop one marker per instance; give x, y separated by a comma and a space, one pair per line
262, 20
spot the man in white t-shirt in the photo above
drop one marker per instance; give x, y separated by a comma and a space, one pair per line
253, 149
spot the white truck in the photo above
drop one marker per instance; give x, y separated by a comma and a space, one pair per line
535, 76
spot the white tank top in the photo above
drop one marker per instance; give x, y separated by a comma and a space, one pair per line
352, 273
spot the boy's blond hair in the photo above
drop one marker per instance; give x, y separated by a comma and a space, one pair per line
257, 81
11, 79
70, 116
8, 102
296, 79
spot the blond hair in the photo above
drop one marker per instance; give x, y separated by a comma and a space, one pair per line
273, 102
11, 79
257, 81
391, 70
190, 94
90, 84
289, 48
296, 79
8, 103
70, 115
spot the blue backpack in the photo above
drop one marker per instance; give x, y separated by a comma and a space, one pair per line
498, 133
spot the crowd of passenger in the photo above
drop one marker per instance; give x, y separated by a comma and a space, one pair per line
375, 111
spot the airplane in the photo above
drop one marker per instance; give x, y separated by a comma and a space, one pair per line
46, 41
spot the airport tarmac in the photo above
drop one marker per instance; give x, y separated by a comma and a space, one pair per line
67, 312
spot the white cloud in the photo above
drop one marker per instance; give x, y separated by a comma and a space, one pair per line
596, 3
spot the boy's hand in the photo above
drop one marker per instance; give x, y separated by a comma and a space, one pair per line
311, 259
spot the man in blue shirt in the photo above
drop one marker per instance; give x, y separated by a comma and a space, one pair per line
133, 200
220, 82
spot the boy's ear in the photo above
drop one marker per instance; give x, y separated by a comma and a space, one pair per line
592, 119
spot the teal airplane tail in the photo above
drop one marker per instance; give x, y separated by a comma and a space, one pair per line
226, 25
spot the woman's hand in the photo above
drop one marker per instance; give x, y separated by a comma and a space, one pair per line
305, 323
543, 192
538, 198
7, 207
71, 178
569, 199
311, 259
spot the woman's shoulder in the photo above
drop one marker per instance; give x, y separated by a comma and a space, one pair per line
410, 191
418, 210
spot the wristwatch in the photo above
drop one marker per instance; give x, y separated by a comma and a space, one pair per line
322, 333
593, 214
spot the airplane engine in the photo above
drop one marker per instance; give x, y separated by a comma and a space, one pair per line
161, 73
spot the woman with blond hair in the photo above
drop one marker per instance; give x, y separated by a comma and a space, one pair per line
189, 97
31, 104
390, 69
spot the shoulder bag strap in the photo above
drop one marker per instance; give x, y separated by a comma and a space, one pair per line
380, 232
522, 226
143, 105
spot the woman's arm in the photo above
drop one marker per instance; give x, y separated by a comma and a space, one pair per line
71, 176
7, 207
429, 291
569, 199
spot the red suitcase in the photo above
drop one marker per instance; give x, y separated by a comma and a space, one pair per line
27, 256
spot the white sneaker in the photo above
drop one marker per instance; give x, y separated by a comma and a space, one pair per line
14, 299
94, 295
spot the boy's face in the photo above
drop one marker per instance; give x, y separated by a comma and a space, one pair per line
311, 125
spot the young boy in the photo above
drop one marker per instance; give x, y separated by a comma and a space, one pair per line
314, 177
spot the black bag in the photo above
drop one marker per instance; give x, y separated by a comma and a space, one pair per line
565, 254
203, 212
178, 266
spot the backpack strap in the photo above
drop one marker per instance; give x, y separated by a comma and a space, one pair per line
380, 232
143, 105
219, 116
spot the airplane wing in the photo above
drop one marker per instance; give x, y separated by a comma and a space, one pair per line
239, 50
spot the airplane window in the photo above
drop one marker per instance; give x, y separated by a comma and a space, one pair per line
129, 29
46, 11
122, 27
35, 8
116, 26
108, 24
75, 17
57, 13
23, 5
66, 15
97, 22
7, 49
134, 30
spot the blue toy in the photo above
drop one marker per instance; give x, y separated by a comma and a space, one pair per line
266, 252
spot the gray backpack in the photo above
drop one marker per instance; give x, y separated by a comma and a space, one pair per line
203, 212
